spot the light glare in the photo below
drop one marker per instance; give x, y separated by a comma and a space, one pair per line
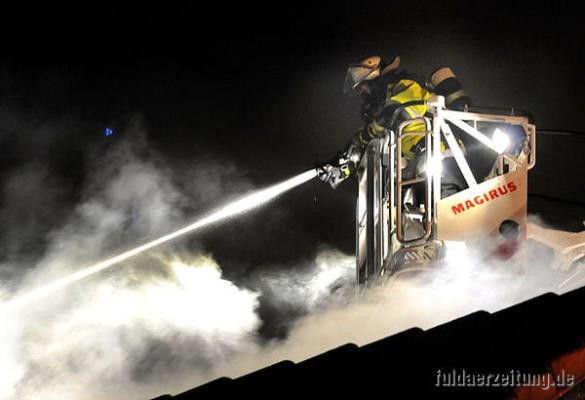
501, 140
435, 166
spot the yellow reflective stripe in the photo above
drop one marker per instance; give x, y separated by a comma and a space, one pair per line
454, 96
361, 138
375, 129
376, 126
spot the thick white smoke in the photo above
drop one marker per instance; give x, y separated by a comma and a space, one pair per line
463, 285
313, 287
121, 334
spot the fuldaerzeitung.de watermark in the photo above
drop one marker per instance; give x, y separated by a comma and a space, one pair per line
513, 378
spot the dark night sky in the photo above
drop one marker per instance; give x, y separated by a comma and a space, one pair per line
261, 84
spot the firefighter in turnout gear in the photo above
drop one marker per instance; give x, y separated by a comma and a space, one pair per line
389, 97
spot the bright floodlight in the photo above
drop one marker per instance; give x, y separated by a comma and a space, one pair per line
501, 140
435, 166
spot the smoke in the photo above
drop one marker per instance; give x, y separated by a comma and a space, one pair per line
123, 333
311, 287
172, 319
463, 284
135, 329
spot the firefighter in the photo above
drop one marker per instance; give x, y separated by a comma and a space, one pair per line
389, 97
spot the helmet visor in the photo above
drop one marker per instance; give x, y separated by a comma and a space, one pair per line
358, 73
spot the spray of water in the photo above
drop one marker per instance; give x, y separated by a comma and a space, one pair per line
228, 211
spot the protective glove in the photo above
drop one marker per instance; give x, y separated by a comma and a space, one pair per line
333, 174
343, 165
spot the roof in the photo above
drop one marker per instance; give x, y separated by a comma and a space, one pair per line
527, 338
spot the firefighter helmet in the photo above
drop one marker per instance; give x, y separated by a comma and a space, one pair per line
367, 69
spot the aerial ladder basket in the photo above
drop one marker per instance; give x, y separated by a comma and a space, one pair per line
405, 213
